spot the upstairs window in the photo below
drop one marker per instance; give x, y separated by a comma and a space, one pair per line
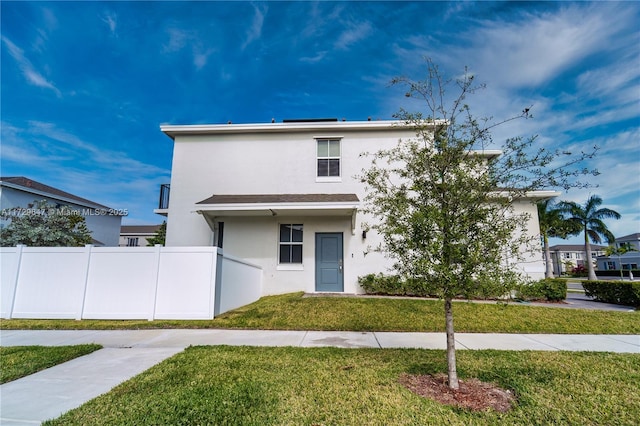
132, 242
290, 250
328, 151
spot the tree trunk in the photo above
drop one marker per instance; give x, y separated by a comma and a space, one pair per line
547, 258
451, 346
587, 247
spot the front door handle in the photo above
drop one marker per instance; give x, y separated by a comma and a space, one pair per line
340, 265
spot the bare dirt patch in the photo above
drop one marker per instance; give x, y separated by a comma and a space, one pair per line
473, 394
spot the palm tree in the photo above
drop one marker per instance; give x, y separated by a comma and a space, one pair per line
589, 217
552, 224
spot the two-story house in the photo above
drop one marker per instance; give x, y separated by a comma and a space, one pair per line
285, 196
565, 257
631, 242
137, 235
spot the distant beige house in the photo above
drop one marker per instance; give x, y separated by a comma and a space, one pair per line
136, 235
568, 256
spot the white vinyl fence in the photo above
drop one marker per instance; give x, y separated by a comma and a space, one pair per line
124, 282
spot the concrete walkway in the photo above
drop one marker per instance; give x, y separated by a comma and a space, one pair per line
49, 393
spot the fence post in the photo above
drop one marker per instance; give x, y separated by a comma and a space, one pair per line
156, 279
217, 285
88, 248
16, 277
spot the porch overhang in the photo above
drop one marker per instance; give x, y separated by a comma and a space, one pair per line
341, 205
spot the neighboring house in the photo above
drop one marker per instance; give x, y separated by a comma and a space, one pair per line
103, 222
136, 235
565, 257
631, 241
629, 260
285, 196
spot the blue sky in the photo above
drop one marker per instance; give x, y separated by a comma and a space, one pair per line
85, 85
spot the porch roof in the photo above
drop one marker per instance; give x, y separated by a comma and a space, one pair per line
279, 205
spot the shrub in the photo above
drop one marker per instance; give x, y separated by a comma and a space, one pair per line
380, 284
553, 289
549, 289
579, 271
618, 292
391, 285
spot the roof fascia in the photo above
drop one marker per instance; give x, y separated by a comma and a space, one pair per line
210, 129
533, 195
278, 206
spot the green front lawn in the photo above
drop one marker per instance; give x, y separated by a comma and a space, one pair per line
294, 312
20, 361
326, 386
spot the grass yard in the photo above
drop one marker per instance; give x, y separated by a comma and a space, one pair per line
20, 361
281, 386
294, 312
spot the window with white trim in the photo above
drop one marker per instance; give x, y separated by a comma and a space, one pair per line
132, 242
290, 244
328, 158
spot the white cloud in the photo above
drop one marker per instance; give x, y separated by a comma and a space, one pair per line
537, 48
200, 58
314, 59
353, 34
68, 143
90, 171
255, 30
529, 49
180, 39
177, 39
28, 70
112, 22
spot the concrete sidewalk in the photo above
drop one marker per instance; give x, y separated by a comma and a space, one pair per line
126, 353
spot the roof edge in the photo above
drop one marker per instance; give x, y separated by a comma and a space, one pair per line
207, 129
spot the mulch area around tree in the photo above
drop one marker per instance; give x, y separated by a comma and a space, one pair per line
472, 394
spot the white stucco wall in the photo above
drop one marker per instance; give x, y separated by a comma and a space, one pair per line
256, 240
266, 163
533, 264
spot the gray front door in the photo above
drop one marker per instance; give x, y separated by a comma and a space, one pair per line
329, 262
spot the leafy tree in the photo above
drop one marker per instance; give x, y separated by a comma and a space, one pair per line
440, 201
553, 224
590, 220
41, 224
159, 237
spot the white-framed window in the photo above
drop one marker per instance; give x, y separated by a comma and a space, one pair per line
566, 255
290, 244
611, 266
328, 165
578, 256
132, 242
